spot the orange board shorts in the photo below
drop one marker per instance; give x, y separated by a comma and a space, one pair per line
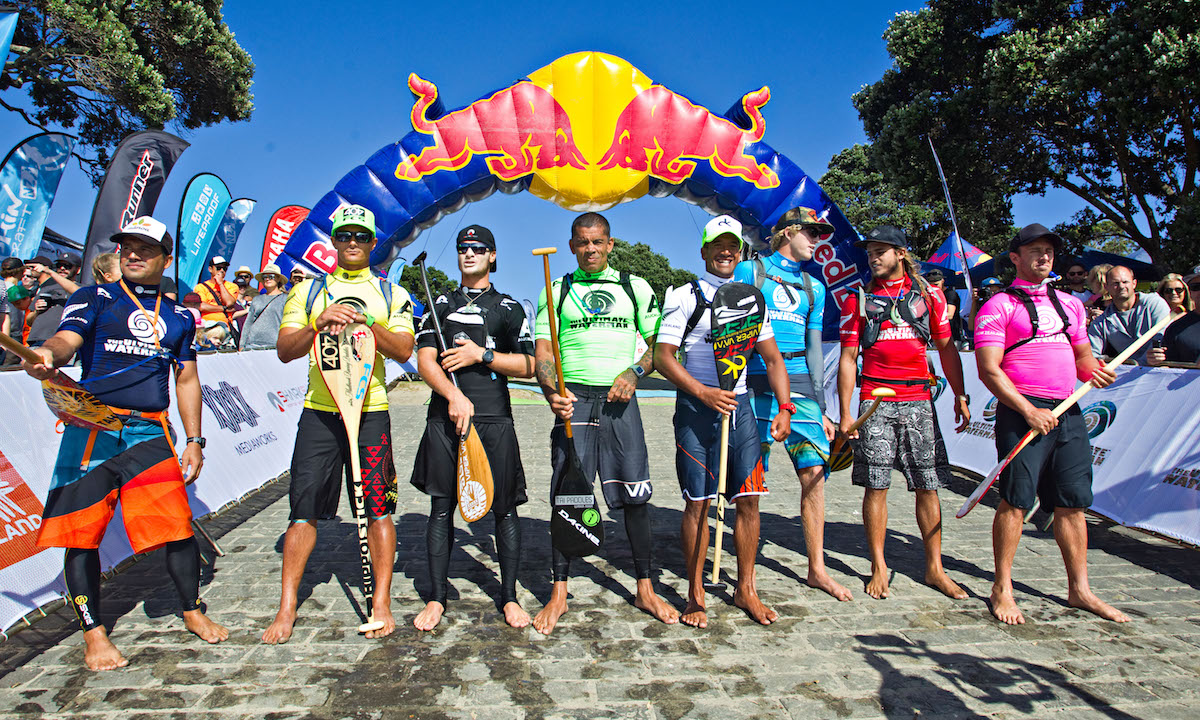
136, 466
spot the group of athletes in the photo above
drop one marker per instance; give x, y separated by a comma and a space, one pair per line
1031, 343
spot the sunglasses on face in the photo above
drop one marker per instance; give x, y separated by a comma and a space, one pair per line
477, 249
1175, 290
1077, 274
362, 237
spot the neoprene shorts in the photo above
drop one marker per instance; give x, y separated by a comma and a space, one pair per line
435, 467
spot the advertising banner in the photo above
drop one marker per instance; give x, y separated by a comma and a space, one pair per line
130, 189
230, 228
29, 179
205, 201
279, 228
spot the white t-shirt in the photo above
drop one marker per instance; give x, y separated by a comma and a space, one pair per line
699, 360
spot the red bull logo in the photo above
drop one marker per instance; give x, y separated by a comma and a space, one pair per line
541, 139
664, 134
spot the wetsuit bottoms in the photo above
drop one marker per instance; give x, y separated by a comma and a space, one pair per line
439, 541
434, 469
637, 529
81, 570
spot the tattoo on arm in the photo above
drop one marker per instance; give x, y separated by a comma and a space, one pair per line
546, 376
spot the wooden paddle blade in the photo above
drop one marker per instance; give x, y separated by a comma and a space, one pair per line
475, 488
76, 406
576, 527
346, 362
738, 312
842, 455
990, 480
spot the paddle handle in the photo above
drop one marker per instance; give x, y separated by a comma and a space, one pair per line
721, 479
15, 347
437, 324
550, 314
879, 394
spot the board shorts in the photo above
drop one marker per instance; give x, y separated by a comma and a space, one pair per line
901, 435
1055, 468
698, 450
609, 441
806, 444
135, 465
322, 457
435, 467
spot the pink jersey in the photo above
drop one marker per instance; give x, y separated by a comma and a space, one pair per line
1045, 366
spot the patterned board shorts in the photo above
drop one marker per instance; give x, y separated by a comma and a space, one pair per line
901, 435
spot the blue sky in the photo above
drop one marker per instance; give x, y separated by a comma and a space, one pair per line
330, 89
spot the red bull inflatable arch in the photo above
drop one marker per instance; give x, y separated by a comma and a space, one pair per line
586, 132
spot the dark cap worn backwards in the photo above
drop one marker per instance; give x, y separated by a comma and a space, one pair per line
67, 259
887, 234
478, 234
11, 264
1031, 232
934, 275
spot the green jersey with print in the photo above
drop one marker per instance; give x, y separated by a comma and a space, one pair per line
598, 327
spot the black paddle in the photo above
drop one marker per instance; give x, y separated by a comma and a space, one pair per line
576, 529
738, 312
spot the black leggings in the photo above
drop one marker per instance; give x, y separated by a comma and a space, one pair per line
81, 570
439, 536
637, 529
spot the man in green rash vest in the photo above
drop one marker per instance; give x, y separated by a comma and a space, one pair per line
601, 313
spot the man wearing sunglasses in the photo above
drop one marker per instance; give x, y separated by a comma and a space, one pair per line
488, 341
350, 294
1181, 343
56, 282
1076, 282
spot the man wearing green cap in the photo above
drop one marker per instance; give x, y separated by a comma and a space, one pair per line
350, 294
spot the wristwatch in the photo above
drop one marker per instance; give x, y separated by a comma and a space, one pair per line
967, 398
788, 407
199, 441
488, 356
638, 370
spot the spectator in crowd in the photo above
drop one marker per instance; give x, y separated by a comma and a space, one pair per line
989, 287
218, 301
18, 300
266, 311
1181, 344
30, 278
1130, 314
12, 270
106, 268
1097, 280
246, 293
5, 317
242, 277
191, 301
56, 282
298, 276
937, 279
1075, 282
1173, 290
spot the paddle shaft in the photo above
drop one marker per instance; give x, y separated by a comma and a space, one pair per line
722, 474
437, 324
841, 438
550, 314
15, 347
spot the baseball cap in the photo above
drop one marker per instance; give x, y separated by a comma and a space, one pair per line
808, 218
990, 282
11, 264
887, 234
353, 215
41, 260
219, 260
1031, 232
270, 269
149, 230
478, 234
934, 274
17, 292
721, 225
67, 259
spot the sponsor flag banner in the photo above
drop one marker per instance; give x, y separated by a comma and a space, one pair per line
20, 516
29, 179
279, 229
8, 26
205, 201
130, 189
230, 228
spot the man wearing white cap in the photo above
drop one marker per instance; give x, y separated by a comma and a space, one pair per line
218, 299
266, 311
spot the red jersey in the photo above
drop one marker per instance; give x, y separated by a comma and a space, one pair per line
899, 352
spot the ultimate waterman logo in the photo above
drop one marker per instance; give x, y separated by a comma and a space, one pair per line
230, 408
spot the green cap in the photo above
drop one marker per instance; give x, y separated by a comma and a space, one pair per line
17, 293
353, 215
718, 226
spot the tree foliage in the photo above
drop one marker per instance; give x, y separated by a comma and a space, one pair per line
1087, 229
439, 282
1098, 98
106, 68
867, 199
642, 261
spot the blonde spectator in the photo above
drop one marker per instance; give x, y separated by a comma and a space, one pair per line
1174, 290
1096, 280
106, 268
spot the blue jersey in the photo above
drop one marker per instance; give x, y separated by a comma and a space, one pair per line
121, 365
788, 309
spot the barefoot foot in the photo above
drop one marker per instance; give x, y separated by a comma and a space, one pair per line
754, 607
204, 628
99, 652
545, 620
650, 602
877, 586
1004, 607
382, 612
280, 631
694, 615
515, 615
429, 618
940, 581
1088, 601
822, 581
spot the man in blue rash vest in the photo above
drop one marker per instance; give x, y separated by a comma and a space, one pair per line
128, 338
795, 305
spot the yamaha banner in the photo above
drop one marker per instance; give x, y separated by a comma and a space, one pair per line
231, 226
28, 181
279, 228
135, 178
204, 204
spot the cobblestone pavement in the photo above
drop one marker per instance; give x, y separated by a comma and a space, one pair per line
916, 653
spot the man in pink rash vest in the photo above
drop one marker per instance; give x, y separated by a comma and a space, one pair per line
1031, 367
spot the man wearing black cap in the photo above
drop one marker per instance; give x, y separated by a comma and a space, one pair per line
936, 278
1031, 346
129, 339
56, 282
488, 340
